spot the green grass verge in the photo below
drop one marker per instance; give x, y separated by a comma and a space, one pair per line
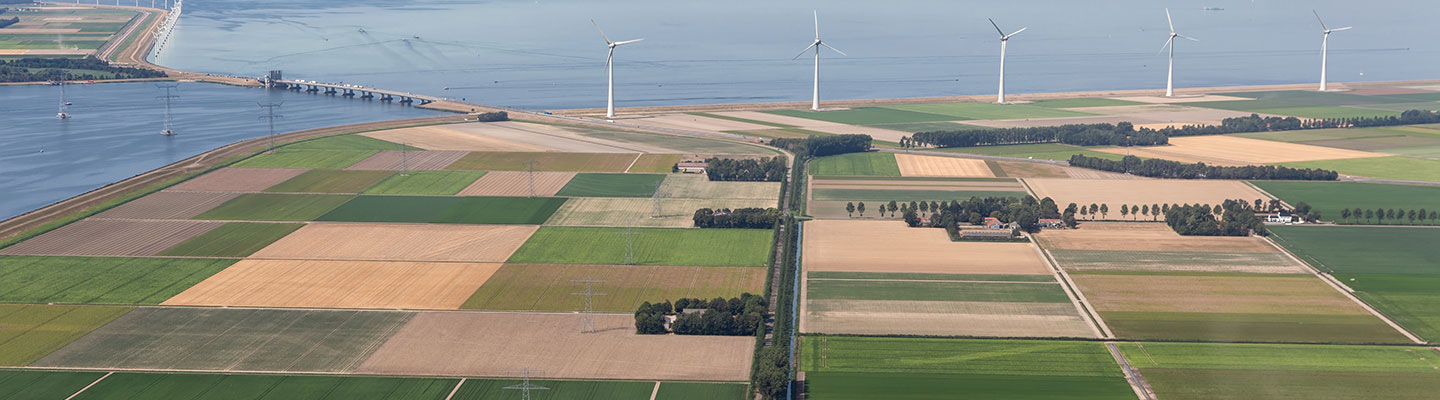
20, 384
965, 111
611, 185
100, 280
936, 291
235, 239
300, 158
330, 181
275, 207
442, 183
908, 195
267, 387
446, 210
565, 162
856, 164
1243, 371
29, 332
652, 246
1330, 197
1402, 168
865, 115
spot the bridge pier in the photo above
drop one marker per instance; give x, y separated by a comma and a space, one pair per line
406, 100
386, 97
313, 89
349, 93
367, 95
330, 91
293, 87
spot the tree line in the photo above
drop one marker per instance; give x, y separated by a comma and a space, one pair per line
1154, 211
55, 69
7, 22
737, 316
1121, 134
1025, 211
493, 116
1397, 216
1158, 168
820, 146
1198, 220
769, 169
740, 218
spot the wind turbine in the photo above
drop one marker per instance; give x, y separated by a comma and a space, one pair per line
815, 99
1170, 43
1325, 48
610, 70
1003, 38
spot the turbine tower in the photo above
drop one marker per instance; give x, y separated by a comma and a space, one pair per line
815, 99
610, 70
1325, 48
1170, 43
1003, 38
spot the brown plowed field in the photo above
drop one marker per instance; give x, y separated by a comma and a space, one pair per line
238, 180
390, 160
517, 183
447, 137
944, 318
691, 186
891, 246
1116, 192
916, 165
112, 238
1127, 236
1281, 294
169, 205
399, 242
339, 284
1231, 150
490, 344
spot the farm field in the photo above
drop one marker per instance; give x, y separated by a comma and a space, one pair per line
675, 213
667, 144
446, 210
562, 162
865, 115
399, 242
1270, 262
457, 137
331, 181
1330, 197
479, 389
653, 246
856, 164
916, 368
879, 190
276, 207
693, 186
1394, 270
909, 194
1246, 371
965, 111
1394, 167
914, 165
102, 237
1084, 102
517, 183
1141, 236
655, 163
264, 387
1044, 151
548, 287
1233, 150
235, 239
237, 180
168, 205
19, 384
490, 343
100, 280
297, 157
28, 332
1115, 192
440, 183
1031, 170
1414, 140
611, 185
410, 160
339, 284
885, 246
344, 142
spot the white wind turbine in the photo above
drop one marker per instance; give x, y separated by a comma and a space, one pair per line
1003, 38
610, 70
1170, 77
815, 100
1325, 48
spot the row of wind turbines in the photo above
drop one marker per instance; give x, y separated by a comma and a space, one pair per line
1004, 39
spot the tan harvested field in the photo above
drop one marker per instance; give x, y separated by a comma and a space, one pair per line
818, 125
1231, 150
1151, 236
695, 123
13, 52
1280, 294
399, 242
517, 183
98, 237
1078, 261
339, 284
891, 246
393, 160
446, 137
169, 205
675, 213
1115, 192
551, 287
493, 343
944, 318
695, 186
1032, 170
1182, 99
917, 165
238, 180
1086, 173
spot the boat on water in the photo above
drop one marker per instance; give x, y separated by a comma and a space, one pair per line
62, 114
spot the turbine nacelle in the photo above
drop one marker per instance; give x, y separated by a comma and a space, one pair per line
1003, 36
1326, 29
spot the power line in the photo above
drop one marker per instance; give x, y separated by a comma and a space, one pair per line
270, 115
169, 124
404, 171
530, 166
658, 211
587, 316
629, 234
525, 387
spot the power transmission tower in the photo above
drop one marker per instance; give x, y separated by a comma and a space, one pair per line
525, 387
169, 124
587, 316
270, 109
629, 234
658, 212
530, 167
404, 171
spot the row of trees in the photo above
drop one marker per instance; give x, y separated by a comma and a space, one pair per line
1199, 220
1396, 216
740, 218
7, 22
770, 169
1154, 211
1121, 134
1023, 211
737, 316
820, 146
1158, 168
494, 116
66, 69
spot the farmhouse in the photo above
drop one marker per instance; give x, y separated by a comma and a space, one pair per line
1050, 223
987, 233
1282, 216
993, 223
692, 167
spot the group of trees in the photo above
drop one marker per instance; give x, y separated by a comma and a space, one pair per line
1157, 168
1024, 211
494, 116
820, 146
66, 69
7, 22
737, 316
1396, 216
770, 169
1121, 134
745, 218
1155, 211
1236, 219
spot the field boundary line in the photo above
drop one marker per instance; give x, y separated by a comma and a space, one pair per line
653, 392
87, 387
456, 389
632, 162
1082, 305
1340, 287
1137, 382
1026, 185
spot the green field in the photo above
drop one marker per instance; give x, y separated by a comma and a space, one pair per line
653, 246
29, 332
655, 163
865, 115
701, 391
928, 126
913, 368
1402, 168
1041, 151
1169, 262
927, 277
1319, 98
20, 384
266, 387
1004, 291
907, 195
565, 162
331, 181
446, 210
1250, 327
1306, 104
1081, 103
1395, 270
611, 185
1198, 371
100, 280
287, 157
344, 142
548, 287
1330, 197
1412, 140
965, 111
853, 164
275, 207
478, 389
235, 239
442, 183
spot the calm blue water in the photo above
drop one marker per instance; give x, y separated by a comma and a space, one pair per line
115, 132
543, 54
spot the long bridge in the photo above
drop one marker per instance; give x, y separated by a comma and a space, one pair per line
347, 90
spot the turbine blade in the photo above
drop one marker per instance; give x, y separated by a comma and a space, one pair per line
1167, 45
832, 48
817, 22
1342, 29
1190, 38
1017, 32
997, 27
1169, 21
1317, 18
802, 52
628, 42
602, 31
